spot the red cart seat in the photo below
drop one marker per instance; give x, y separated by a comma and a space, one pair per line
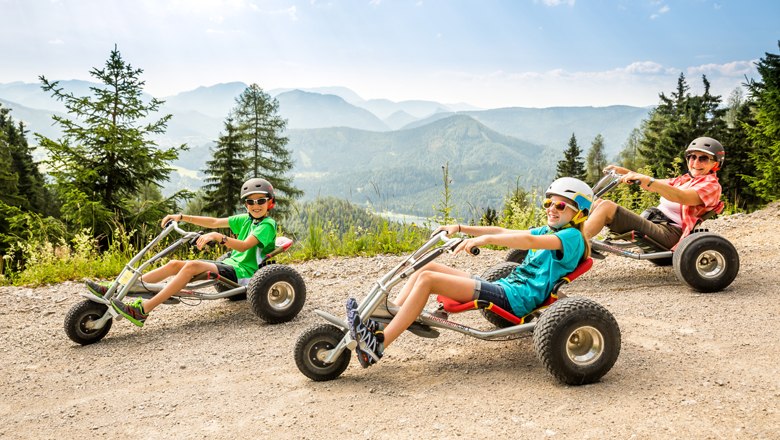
452, 306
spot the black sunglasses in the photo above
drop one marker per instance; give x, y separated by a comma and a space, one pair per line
252, 202
703, 158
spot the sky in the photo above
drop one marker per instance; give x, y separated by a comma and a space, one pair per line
487, 53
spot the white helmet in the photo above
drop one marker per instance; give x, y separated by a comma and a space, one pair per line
575, 190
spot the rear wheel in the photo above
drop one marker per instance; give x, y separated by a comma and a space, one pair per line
80, 320
500, 270
577, 340
516, 255
706, 262
313, 346
276, 293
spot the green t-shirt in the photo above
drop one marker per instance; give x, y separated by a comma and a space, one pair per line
246, 262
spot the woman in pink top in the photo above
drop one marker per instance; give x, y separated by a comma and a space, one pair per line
684, 199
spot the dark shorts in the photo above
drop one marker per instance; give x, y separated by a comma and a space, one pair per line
492, 292
665, 234
224, 270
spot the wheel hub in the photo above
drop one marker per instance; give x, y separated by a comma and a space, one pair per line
281, 295
710, 264
585, 345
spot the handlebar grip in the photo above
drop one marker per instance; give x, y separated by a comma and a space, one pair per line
474, 251
634, 182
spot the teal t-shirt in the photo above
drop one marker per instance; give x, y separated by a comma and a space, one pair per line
246, 262
530, 283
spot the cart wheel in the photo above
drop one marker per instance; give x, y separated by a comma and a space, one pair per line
706, 262
500, 270
276, 293
516, 255
311, 348
220, 288
80, 316
577, 340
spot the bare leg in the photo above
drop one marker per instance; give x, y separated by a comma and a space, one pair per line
432, 267
189, 269
454, 286
602, 214
170, 269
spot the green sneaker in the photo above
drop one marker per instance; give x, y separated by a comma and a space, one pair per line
98, 289
134, 312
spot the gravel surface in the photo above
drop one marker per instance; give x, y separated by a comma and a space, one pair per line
691, 365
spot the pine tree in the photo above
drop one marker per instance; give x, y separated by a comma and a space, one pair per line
765, 133
676, 121
29, 183
225, 172
739, 165
261, 127
572, 164
596, 161
106, 154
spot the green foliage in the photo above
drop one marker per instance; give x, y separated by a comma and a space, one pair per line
676, 121
444, 210
632, 197
522, 210
572, 164
226, 172
21, 183
765, 132
595, 161
260, 127
106, 156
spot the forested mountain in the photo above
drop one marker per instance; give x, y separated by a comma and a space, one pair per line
401, 170
364, 160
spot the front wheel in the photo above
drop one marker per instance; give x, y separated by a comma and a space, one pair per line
577, 340
276, 293
311, 349
80, 320
706, 262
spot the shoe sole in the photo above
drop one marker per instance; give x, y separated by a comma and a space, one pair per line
352, 316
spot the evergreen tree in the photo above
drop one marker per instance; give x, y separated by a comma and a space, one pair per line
226, 172
738, 166
630, 156
105, 155
572, 164
596, 161
29, 186
261, 127
765, 132
676, 121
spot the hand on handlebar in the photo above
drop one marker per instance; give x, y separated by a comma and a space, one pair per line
616, 169
168, 218
209, 238
449, 229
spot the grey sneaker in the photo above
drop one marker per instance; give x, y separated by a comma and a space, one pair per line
98, 289
368, 336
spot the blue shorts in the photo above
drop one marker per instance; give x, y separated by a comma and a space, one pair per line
491, 292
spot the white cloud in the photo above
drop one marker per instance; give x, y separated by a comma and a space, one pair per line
663, 10
556, 2
733, 69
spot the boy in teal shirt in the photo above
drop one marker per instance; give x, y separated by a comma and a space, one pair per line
255, 238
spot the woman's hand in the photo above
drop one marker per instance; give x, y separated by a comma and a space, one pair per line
205, 239
617, 169
169, 217
634, 177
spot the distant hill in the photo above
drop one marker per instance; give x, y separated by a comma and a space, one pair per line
215, 101
399, 119
314, 110
401, 170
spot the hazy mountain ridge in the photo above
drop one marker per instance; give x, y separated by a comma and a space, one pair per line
341, 148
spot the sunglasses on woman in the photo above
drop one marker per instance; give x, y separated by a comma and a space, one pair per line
559, 206
252, 202
703, 158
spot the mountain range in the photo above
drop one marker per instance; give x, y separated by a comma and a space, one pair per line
378, 152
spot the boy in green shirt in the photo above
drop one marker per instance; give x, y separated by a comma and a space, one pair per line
255, 237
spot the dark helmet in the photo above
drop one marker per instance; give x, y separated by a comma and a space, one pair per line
257, 186
710, 146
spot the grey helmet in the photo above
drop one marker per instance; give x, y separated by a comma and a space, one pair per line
710, 146
257, 186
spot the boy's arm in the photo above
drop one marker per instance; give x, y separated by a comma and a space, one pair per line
206, 222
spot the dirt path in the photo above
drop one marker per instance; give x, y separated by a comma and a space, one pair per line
691, 366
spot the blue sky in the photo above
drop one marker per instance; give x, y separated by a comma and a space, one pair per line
530, 53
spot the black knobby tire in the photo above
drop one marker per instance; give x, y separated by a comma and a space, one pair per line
516, 255
500, 270
311, 347
276, 293
222, 288
77, 318
706, 262
577, 340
